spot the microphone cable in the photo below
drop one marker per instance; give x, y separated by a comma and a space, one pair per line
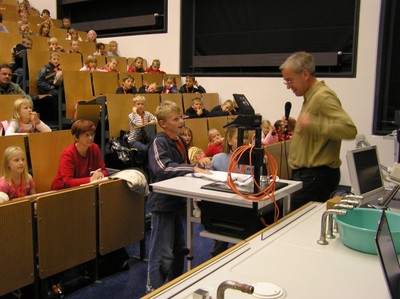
272, 170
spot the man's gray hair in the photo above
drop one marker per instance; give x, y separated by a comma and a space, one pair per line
299, 61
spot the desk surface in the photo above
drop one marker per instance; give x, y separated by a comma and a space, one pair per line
190, 187
288, 256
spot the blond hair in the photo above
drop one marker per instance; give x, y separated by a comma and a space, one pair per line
211, 132
17, 107
156, 62
8, 154
167, 108
138, 98
113, 43
90, 59
265, 123
52, 40
228, 103
197, 99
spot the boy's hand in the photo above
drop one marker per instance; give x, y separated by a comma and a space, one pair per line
134, 110
204, 162
219, 141
201, 170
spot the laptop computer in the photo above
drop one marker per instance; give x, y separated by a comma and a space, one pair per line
366, 177
388, 256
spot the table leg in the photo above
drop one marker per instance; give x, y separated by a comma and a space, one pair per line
286, 205
189, 232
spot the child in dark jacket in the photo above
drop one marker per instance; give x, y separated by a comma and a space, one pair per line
128, 85
197, 110
222, 110
168, 158
48, 82
191, 86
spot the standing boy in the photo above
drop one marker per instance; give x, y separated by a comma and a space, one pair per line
168, 158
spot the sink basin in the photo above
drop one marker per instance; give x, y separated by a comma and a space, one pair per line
358, 228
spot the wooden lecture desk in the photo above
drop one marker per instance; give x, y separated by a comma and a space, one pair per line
286, 255
190, 187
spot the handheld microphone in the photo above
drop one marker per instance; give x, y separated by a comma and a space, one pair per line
288, 107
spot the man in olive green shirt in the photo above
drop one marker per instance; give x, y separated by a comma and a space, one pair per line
317, 137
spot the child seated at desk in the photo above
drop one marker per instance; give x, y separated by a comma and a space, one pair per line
168, 158
128, 86
15, 180
25, 120
222, 110
139, 118
215, 143
197, 110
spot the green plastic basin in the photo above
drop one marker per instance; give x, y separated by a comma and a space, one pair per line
358, 228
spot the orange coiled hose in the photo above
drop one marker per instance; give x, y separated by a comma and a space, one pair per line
272, 170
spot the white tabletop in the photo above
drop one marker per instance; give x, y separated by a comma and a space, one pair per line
287, 255
190, 187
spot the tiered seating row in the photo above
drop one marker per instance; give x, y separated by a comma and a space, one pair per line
70, 230
72, 226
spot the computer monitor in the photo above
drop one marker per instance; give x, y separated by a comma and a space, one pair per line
365, 174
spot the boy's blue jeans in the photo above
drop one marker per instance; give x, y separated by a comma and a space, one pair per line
167, 249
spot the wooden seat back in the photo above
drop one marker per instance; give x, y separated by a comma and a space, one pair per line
119, 209
39, 43
45, 150
218, 123
104, 82
12, 27
70, 61
210, 100
36, 61
66, 229
7, 42
16, 245
73, 95
199, 130
152, 102
152, 78
118, 106
7, 104
87, 48
174, 97
89, 111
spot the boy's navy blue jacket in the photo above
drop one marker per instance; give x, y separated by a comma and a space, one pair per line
165, 162
46, 78
217, 111
191, 113
130, 91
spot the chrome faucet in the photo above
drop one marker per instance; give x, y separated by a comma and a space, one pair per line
322, 239
332, 227
230, 284
354, 202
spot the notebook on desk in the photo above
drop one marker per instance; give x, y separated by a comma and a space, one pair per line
247, 189
388, 256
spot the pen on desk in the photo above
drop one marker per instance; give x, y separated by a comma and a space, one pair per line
91, 173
